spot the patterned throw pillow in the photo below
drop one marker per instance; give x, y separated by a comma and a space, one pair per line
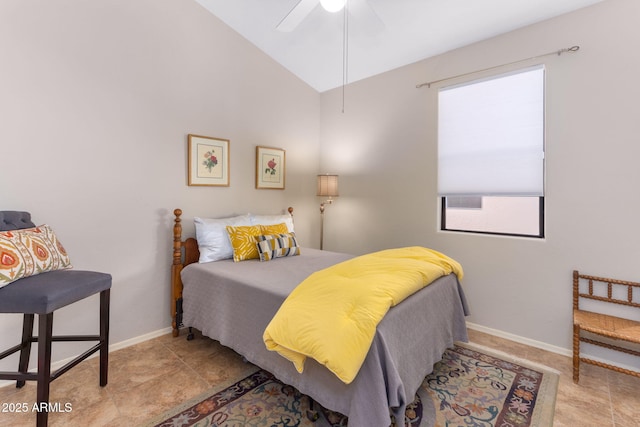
277, 245
243, 239
243, 242
287, 219
30, 251
274, 229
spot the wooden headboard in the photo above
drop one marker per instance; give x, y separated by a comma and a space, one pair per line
185, 252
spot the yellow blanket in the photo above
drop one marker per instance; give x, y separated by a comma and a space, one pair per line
333, 314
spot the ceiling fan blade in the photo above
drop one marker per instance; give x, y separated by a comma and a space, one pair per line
296, 15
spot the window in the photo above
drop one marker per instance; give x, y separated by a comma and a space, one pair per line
491, 146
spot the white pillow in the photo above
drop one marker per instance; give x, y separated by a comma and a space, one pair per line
272, 220
213, 239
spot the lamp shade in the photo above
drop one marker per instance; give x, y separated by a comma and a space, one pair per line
328, 185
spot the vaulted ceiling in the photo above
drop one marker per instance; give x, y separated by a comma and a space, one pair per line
382, 34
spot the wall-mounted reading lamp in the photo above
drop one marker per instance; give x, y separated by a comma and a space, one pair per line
327, 188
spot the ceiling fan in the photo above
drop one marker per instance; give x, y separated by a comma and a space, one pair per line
361, 9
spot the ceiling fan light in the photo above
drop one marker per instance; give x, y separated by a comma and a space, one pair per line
332, 5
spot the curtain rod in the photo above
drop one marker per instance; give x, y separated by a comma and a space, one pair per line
557, 52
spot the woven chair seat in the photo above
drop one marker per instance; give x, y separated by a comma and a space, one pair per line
608, 326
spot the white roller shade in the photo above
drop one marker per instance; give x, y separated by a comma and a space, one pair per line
491, 136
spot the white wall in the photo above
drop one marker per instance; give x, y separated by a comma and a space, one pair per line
384, 149
96, 101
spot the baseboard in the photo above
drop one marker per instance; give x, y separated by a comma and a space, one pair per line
521, 340
139, 339
545, 346
112, 347
496, 332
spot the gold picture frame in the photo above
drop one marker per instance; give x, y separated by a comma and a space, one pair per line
270, 168
208, 161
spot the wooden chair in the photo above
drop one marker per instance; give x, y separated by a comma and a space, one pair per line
42, 294
615, 328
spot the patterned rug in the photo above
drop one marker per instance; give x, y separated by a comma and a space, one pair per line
470, 386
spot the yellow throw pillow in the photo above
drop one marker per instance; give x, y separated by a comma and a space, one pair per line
30, 251
243, 241
274, 229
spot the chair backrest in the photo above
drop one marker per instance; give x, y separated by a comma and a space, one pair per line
606, 290
15, 220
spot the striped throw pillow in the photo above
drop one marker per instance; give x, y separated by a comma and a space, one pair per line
271, 246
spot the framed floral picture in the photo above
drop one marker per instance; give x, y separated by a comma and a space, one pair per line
270, 168
208, 161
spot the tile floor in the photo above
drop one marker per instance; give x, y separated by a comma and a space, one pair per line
151, 377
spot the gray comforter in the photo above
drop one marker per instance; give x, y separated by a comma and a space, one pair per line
233, 303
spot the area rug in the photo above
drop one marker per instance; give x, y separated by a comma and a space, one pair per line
470, 386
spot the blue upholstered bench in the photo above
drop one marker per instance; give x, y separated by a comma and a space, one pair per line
42, 294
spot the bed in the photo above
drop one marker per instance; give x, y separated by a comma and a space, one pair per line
232, 302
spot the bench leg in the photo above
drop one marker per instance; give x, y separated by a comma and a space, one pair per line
25, 352
45, 329
576, 353
104, 337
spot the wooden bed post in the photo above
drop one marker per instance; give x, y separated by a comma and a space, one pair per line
176, 268
185, 252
